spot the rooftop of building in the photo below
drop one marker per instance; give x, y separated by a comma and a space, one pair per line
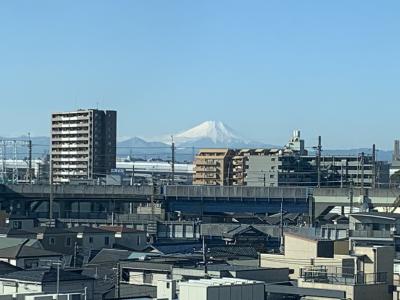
308, 237
121, 229
50, 230
88, 229
24, 251
220, 282
374, 214
6, 268
106, 256
44, 275
7, 242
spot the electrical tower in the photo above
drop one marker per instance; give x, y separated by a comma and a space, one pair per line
11, 147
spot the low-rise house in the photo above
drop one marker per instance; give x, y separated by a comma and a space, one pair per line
56, 239
128, 238
93, 238
247, 235
375, 228
22, 222
183, 268
28, 257
45, 281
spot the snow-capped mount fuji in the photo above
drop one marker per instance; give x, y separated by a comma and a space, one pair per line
208, 133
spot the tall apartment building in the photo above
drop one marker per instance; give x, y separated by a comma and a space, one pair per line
83, 144
214, 167
239, 166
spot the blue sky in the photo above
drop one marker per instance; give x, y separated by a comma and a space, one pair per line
263, 67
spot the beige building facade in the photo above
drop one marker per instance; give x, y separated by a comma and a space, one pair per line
365, 273
213, 167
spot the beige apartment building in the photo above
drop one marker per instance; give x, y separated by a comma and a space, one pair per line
83, 144
214, 167
362, 273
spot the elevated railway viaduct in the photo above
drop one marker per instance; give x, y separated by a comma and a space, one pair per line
82, 201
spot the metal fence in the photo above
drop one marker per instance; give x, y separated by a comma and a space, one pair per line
329, 275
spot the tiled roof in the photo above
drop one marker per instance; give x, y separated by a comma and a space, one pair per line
50, 230
241, 230
44, 275
110, 255
21, 251
233, 251
183, 248
122, 229
6, 268
10, 242
87, 229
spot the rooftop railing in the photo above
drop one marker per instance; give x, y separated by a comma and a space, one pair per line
324, 274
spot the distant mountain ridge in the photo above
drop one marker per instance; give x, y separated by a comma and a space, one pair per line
209, 134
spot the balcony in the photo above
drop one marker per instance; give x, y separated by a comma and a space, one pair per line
69, 146
206, 176
72, 117
206, 163
82, 152
73, 131
378, 234
69, 139
85, 159
338, 276
205, 169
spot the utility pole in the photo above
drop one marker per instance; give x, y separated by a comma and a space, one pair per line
205, 257
173, 161
118, 281
51, 196
58, 280
341, 174
133, 174
351, 197
15, 165
362, 173
373, 166
319, 149
75, 253
29, 159
229, 174
282, 245
3, 162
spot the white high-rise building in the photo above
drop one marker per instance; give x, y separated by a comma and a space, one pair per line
83, 144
